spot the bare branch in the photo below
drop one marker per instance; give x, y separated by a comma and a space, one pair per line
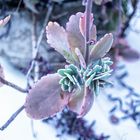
13, 85
12, 118
50, 8
126, 25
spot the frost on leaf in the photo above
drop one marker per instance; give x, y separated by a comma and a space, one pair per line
4, 21
81, 101
1, 75
46, 98
57, 38
101, 48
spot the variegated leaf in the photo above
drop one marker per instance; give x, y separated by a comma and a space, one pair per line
81, 101
101, 48
46, 98
4, 21
75, 38
1, 75
57, 38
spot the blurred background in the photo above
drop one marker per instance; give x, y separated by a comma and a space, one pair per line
115, 114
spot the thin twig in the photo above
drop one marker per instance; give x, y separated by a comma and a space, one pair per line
120, 17
34, 44
12, 118
19, 4
126, 25
50, 8
34, 133
5, 82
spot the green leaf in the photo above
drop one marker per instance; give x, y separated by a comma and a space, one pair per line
89, 80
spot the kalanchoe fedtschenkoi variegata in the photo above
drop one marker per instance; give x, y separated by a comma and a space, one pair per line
75, 85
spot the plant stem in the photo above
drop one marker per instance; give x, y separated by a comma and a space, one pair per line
87, 28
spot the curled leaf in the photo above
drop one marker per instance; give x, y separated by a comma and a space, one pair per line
57, 38
46, 98
4, 21
1, 75
81, 101
101, 48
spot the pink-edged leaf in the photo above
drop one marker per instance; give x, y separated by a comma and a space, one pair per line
81, 101
1, 75
75, 38
101, 48
57, 38
80, 57
92, 27
5, 20
46, 98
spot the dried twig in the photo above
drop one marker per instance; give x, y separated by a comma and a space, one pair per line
12, 118
35, 53
5, 82
126, 25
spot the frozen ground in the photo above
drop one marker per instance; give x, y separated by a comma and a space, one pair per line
20, 129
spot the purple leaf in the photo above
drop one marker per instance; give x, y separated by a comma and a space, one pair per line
101, 48
92, 27
81, 101
4, 21
75, 38
57, 38
46, 98
1, 75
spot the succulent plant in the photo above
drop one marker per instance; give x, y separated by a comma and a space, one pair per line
75, 85
71, 78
